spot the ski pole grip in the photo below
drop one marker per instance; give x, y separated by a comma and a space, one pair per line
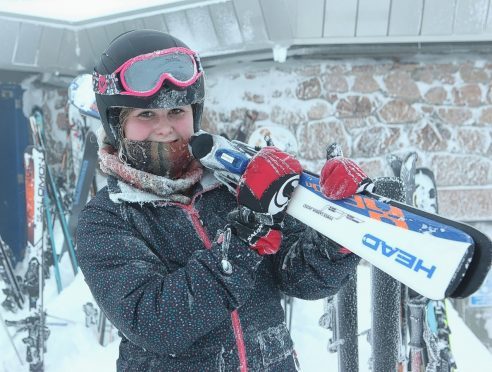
201, 144
218, 153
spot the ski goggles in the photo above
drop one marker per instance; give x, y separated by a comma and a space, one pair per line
144, 75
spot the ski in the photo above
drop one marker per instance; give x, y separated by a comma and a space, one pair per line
436, 348
404, 169
33, 280
35, 341
37, 124
81, 96
13, 291
390, 235
84, 182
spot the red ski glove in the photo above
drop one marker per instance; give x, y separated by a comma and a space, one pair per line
263, 194
342, 177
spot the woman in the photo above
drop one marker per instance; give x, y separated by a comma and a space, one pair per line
189, 274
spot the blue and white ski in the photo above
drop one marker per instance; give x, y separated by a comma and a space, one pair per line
390, 235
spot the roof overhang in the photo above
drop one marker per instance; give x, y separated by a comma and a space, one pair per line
233, 30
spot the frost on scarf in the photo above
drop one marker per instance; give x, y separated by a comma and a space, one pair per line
156, 187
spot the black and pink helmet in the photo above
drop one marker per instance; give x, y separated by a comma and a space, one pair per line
147, 69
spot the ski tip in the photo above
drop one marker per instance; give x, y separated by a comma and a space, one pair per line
478, 267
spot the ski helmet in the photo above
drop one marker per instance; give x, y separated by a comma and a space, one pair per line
120, 79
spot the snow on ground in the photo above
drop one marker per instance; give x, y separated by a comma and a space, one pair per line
73, 347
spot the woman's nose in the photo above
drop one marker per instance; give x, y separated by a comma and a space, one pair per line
163, 126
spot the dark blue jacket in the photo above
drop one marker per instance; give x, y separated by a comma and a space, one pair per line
155, 270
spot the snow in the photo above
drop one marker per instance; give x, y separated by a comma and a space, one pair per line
73, 347
77, 11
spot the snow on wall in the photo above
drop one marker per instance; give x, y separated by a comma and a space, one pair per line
439, 106
53, 103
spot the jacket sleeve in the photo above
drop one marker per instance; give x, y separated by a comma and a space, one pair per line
308, 265
163, 312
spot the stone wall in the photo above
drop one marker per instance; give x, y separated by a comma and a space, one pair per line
439, 106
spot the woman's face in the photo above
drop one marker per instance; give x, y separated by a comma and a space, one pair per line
159, 125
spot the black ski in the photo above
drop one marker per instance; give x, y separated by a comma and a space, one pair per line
84, 183
14, 298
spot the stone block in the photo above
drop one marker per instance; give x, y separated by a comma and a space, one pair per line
400, 84
353, 124
375, 141
354, 106
467, 95
373, 167
310, 70
462, 170
472, 140
430, 137
318, 111
334, 83
309, 89
253, 97
286, 117
398, 111
436, 95
486, 116
455, 116
423, 74
365, 84
471, 74
209, 122
466, 204
315, 137
445, 72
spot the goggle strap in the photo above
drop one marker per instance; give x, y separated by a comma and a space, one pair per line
105, 84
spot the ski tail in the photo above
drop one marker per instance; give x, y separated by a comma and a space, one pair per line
475, 271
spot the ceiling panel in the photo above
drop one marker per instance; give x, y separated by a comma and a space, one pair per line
488, 24
98, 39
226, 23
113, 30
340, 18
438, 17
155, 22
307, 17
8, 39
472, 16
250, 19
405, 17
133, 24
68, 58
373, 17
202, 28
27, 48
86, 55
49, 46
177, 24
277, 20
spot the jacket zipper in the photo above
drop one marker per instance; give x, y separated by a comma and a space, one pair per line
236, 323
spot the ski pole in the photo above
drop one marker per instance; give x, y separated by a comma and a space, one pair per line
11, 339
49, 222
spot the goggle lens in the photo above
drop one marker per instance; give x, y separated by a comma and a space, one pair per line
145, 75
